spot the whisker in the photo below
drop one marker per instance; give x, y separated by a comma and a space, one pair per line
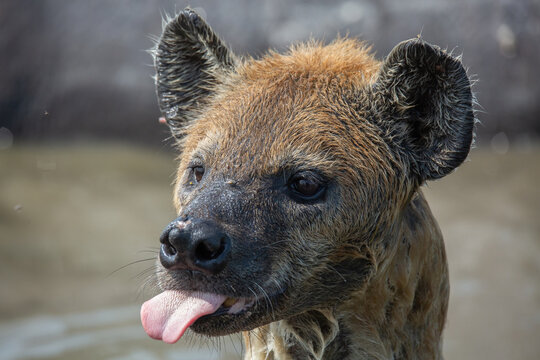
255, 296
149, 251
145, 272
131, 263
268, 301
150, 280
279, 287
234, 343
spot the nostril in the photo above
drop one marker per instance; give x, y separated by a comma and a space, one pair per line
211, 254
168, 249
206, 251
168, 256
167, 239
196, 245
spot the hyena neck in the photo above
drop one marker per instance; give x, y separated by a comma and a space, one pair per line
311, 335
399, 315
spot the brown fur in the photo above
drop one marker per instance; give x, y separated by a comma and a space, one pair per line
360, 273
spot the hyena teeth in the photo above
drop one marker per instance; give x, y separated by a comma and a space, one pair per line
230, 302
239, 306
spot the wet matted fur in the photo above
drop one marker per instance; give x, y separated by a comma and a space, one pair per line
311, 162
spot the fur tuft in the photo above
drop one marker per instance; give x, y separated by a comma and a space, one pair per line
191, 62
423, 101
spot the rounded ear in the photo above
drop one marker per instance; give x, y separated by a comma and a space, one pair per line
191, 62
422, 101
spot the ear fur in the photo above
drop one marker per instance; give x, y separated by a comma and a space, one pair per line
422, 100
191, 62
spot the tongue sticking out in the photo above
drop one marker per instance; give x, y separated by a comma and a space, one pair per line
167, 316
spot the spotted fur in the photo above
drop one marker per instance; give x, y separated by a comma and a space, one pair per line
359, 273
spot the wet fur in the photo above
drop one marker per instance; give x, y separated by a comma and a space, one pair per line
362, 273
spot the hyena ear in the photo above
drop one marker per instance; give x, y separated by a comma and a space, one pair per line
422, 100
191, 62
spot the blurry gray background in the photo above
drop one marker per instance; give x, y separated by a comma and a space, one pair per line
79, 68
85, 172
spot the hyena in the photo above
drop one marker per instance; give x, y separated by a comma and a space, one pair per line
301, 221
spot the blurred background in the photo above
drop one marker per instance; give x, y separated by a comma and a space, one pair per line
86, 172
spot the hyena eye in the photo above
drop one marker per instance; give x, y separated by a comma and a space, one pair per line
306, 187
198, 172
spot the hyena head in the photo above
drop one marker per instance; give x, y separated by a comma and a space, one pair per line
294, 170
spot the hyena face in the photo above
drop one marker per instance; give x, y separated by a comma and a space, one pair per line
293, 170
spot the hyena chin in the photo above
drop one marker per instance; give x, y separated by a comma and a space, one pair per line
301, 222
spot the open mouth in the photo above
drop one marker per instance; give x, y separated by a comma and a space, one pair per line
168, 315
232, 306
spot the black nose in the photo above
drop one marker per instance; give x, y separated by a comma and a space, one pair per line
196, 245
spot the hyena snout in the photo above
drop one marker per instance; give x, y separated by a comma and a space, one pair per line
194, 244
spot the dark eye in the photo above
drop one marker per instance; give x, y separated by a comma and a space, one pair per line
198, 172
306, 187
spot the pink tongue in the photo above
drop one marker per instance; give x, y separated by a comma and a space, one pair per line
167, 316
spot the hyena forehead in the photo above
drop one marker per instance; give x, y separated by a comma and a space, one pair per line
288, 110
344, 59
419, 97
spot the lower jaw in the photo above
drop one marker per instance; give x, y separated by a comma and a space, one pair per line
222, 322
221, 325
227, 324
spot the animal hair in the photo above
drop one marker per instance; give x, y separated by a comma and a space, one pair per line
358, 271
